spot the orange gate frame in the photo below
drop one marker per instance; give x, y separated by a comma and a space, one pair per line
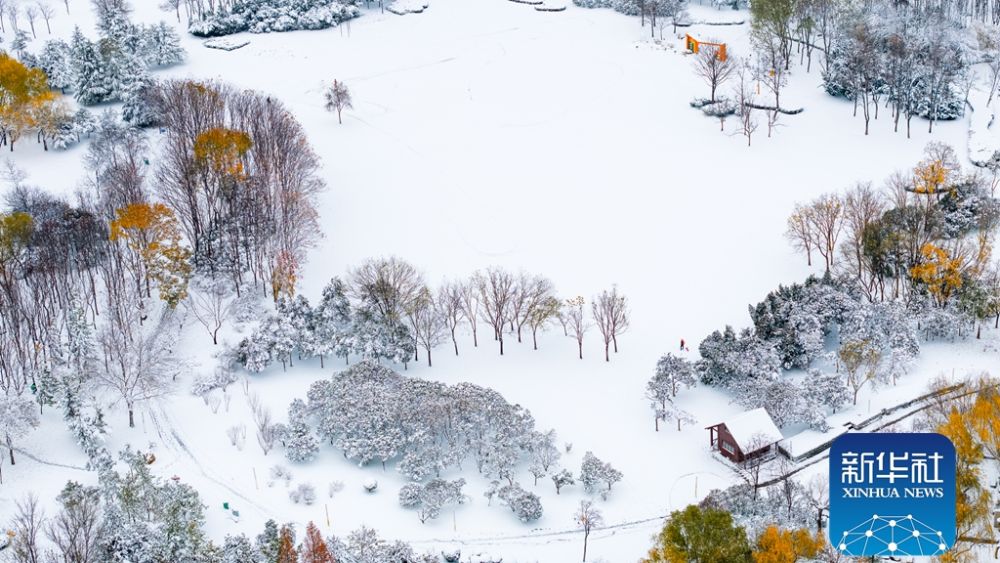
693, 45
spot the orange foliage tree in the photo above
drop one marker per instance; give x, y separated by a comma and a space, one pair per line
313, 549
24, 94
222, 151
783, 546
286, 546
152, 233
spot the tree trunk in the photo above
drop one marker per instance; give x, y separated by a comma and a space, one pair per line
131, 418
607, 358
428, 349
10, 449
585, 536
579, 345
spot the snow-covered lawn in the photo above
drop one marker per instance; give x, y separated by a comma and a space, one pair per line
490, 133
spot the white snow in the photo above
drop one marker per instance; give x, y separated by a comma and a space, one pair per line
488, 133
226, 43
752, 429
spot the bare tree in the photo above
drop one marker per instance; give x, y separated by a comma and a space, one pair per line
470, 307
212, 305
76, 529
862, 207
27, 524
47, 12
13, 11
31, 12
3, 10
827, 218
450, 307
610, 310
266, 434
496, 290
338, 98
713, 66
429, 326
754, 464
587, 518
390, 284
819, 497
577, 321
140, 363
531, 292
800, 231
172, 5
745, 100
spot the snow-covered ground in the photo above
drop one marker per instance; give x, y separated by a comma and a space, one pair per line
489, 133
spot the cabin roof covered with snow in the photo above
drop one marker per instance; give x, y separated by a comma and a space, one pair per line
753, 430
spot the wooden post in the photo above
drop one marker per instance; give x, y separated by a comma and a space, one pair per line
327, 507
255, 485
696, 487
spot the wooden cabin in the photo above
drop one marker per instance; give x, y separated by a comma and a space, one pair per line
745, 435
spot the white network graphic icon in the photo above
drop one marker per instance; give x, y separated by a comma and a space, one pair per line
893, 535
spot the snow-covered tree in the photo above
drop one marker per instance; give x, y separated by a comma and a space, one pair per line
563, 478
595, 473
55, 60
17, 418
161, 46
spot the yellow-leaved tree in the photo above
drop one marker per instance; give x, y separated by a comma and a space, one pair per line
222, 150
152, 233
939, 272
972, 511
775, 545
24, 95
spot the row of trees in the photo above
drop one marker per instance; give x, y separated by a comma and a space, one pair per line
385, 310
928, 236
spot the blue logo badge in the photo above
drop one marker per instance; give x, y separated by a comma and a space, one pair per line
892, 494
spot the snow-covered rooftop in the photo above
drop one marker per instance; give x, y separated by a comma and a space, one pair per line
753, 430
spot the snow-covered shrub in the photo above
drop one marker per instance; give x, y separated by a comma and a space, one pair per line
334, 488
279, 473
722, 107
699, 103
304, 493
370, 485
452, 555
237, 435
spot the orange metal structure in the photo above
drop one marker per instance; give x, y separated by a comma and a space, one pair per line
693, 45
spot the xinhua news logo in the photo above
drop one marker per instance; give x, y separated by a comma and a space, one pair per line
892, 494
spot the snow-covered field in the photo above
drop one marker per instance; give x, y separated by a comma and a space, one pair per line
489, 133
